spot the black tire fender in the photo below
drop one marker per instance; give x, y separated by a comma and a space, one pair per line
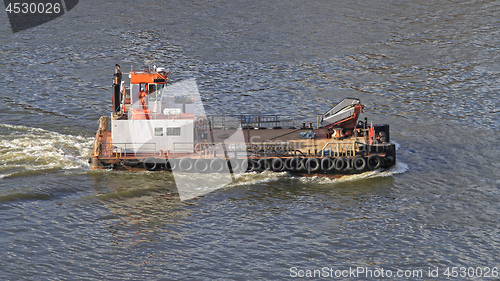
294, 164
327, 164
374, 162
244, 165
254, 165
300, 163
201, 165
172, 164
186, 164
312, 165
235, 165
340, 164
359, 163
264, 164
217, 165
278, 165
288, 164
149, 164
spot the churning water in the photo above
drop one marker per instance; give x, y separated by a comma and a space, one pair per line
429, 69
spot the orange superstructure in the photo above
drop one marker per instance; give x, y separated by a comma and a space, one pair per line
146, 78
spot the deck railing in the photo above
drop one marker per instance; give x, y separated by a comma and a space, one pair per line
230, 150
252, 121
336, 149
128, 149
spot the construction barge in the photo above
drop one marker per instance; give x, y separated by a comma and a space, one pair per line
151, 128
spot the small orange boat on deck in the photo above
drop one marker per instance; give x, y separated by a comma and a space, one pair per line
152, 128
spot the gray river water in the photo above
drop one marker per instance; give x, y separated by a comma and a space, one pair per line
431, 70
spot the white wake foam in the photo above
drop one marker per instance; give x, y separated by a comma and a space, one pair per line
267, 176
399, 168
25, 149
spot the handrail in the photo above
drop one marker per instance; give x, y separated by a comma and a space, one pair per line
208, 149
252, 121
237, 149
341, 148
131, 149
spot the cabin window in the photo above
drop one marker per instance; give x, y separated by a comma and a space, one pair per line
158, 131
174, 131
155, 91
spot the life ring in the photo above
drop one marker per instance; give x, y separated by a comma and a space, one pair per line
201, 121
313, 165
186, 164
217, 165
327, 164
149, 164
340, 164
374, 162
201, 165
278, 165
200, 147
359, 163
